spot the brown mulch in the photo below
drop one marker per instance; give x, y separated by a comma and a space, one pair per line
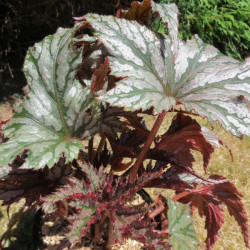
8, 106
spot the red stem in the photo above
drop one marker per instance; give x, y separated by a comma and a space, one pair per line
156, 211
100, 146
150, 139
181, 195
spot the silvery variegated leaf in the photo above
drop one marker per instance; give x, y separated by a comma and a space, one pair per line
57, 110
5, 170
160, 71
193, 180
181, 226
210, 83
169, 15
135, 52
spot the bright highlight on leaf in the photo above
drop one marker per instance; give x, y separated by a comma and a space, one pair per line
57, 110
135, 53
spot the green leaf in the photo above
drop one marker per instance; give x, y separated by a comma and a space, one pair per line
57, 111
180, 226
160, 71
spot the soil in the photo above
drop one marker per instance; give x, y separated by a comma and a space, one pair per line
7, 107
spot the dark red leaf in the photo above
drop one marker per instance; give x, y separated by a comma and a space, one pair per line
230, 196
170, 179
99, 76
1, 134
30, 184
138, 11
185, 134
209, 200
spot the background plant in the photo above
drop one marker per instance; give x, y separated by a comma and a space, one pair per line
225, 24
101, 83
22, 23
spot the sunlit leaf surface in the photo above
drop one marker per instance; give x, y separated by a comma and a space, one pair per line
57, 110
161, 71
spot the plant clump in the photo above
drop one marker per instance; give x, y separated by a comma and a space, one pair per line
98, 80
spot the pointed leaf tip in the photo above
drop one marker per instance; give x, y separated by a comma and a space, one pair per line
99, 76
183, 135
138, 11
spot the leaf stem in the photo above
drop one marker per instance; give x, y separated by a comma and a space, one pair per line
100, 146
151, 137
13, 223
181, 195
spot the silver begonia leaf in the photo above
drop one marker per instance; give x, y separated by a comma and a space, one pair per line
161, 71
181, 226
57, 110
169, 15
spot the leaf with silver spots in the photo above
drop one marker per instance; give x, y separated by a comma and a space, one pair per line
57, 110
159, 71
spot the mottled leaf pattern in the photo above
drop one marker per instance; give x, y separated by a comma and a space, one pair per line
80, 222
169, 15
161, 71
57, 110
210, 83
181, 226
99, 193
135, 53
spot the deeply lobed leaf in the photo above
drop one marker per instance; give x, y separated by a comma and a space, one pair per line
138, 11
209, 200
30, 184
98, 195
185, 134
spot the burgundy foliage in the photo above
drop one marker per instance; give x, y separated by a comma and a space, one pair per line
209, 200
138, 11
185, 134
